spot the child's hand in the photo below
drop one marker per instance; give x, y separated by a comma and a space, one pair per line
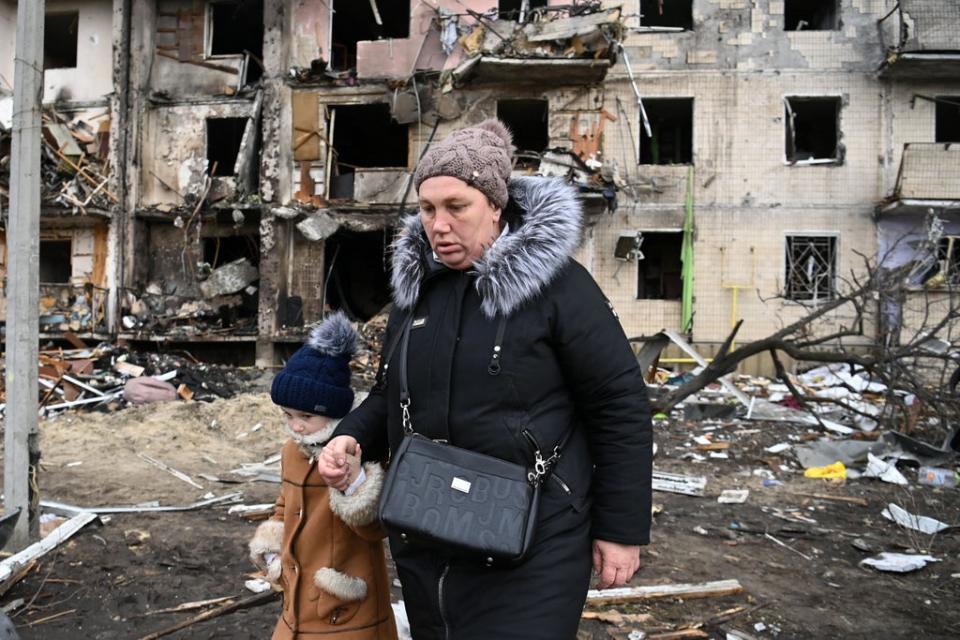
332, 461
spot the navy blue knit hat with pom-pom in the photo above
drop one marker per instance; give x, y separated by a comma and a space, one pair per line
317, 377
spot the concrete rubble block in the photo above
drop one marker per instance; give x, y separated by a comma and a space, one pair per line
230, 278
709, 411
319, 226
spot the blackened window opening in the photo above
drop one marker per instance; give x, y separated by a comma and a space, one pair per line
812, 129
528, 122
671, 123
356, 279
60, 40
511, 9
811, 15
237, 28
224, 136
947, 118
677, 14
55, 264
364, 136
659, 266
354, 20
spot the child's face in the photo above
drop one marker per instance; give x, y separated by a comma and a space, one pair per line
302, 423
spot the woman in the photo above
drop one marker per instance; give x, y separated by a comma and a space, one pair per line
483, 248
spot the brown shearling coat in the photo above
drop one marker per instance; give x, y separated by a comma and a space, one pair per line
331, 564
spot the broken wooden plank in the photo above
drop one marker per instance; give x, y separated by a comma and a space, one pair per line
826, 496
679, 635
676, 483
127, 368
683, 590
253, 601
10, 567
190, 606
175, 473
252, 511
612, 616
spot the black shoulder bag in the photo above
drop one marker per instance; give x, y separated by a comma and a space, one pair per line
464, 501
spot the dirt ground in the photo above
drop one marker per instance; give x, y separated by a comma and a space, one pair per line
111, 580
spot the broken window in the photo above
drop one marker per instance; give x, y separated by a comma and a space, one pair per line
364, 135
514, 9
675, 14
356, 274
60, 40
528, 121
658, 263
55, 261
812, 129
811, 267
235, 27
356, 20
224, 136
947, 119
671, 126
811, 15
948, 260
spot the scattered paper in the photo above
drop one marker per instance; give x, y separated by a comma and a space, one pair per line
898, 562
886, 471
910, 521
778, 448
733, 496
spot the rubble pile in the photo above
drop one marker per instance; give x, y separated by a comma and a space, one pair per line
74, 170
366, 362
227, 303
109, 377
571, 31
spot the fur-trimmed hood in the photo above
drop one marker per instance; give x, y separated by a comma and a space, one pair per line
517, 266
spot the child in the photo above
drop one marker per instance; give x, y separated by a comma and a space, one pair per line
322, 546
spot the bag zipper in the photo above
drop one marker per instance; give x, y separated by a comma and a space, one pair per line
443, 617
563, 485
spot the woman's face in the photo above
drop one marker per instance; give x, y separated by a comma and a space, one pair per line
459, 220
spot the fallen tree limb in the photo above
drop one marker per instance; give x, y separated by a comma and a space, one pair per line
253, 601
687, 591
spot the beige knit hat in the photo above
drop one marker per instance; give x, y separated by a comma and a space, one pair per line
479, 155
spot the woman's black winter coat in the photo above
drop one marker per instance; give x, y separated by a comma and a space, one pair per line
565, 364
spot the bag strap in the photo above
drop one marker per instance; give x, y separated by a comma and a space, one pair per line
404, 389
388, 353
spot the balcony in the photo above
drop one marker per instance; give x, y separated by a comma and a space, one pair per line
922, 39
929, 178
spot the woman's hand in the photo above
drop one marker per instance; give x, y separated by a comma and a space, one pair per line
614, 563
332, 461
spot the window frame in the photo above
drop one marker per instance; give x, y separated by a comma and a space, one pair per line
834, 238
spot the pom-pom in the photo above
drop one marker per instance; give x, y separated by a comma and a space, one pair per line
497, 128
335, 336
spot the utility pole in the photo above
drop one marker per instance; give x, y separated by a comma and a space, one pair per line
22, 451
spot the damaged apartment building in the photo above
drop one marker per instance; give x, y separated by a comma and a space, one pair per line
224, 171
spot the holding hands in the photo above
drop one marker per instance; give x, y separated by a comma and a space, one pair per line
339, 462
